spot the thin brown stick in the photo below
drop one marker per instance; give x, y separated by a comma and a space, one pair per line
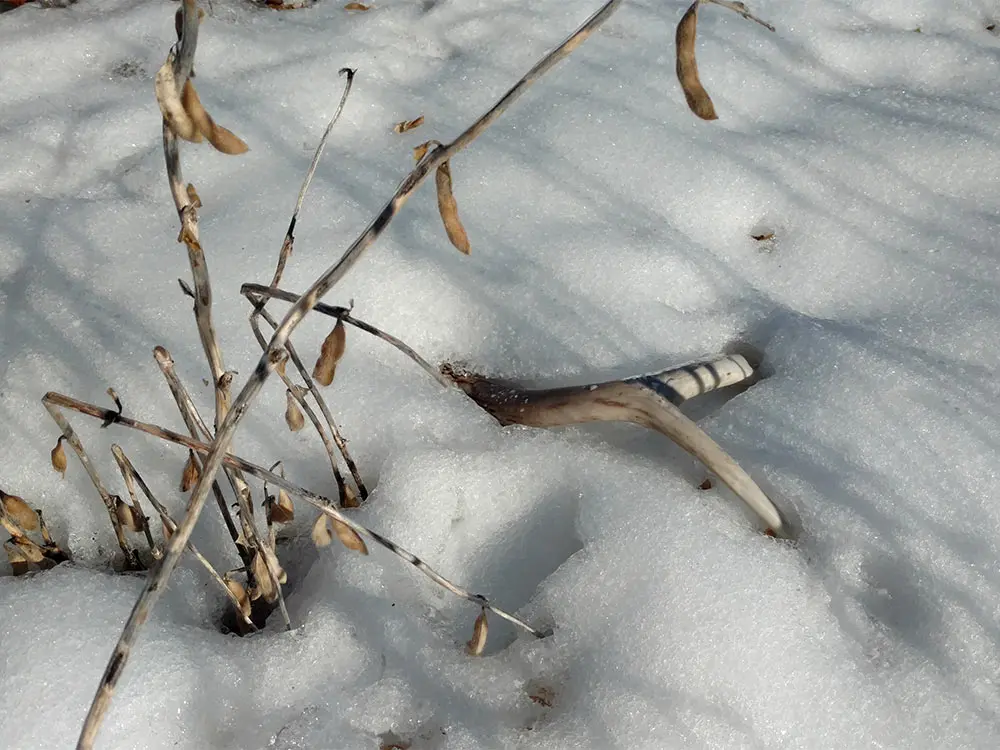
227, 429
132, 475
322, 503
344, 314
196, 426
132, 561
293, 390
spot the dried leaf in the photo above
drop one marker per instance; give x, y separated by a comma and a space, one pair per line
405, 125
479, 633
358, 7
191, 474
264, 586
449, 209
687, 67
282, 510
330, 354
348, 536
20, 512
171, 107
128, 516
321, 534
59, 457
222, 139
237, 590
18, 562
763, 237
293, 415
420, 151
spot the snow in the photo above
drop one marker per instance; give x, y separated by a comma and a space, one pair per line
611, 235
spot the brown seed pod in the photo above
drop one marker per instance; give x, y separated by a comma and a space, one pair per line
59, 457
350, 498
19, 564
479, 633
406, 125
20, 512
358, 7
222, 139
687, 67
348, 536
128, 516
31, 551
330, 354
293, 415
171, 107
191, 474
321, 534
237, 590
449, 209
282, 510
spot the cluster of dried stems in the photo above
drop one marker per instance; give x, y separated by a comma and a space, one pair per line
255, 588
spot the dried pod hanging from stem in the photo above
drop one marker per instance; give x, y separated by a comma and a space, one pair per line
237, 590
128, 516
449, 209
349, 537
59, 457
687, 67
190, 476
321, 534
330, 354
293, 415
480, 631
281, 510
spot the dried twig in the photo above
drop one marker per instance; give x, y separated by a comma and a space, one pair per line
344, 314
227, 429
324, 504
132, 475
132, 561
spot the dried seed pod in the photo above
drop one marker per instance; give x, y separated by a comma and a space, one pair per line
293, 415
449, 209
191, 474
31, 551
20, 512
321, 534
264, 586
282, 510
358, 7
129, 517
237, 590
171, 107
222, 139
350, 498
329, 355
349, 537
687, 67
479, 633
406, 125
59, 457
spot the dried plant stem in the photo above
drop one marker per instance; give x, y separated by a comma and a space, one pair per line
227, 429
324, 504
132, 561
293, 389
131, 476
128, 476
196, 425
742, 10
342, 313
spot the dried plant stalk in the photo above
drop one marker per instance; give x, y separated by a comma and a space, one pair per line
448, 209
226, 430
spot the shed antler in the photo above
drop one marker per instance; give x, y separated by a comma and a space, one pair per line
647, 400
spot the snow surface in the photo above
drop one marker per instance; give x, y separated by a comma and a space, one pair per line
611, 235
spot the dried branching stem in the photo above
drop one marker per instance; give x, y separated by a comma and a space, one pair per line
132, 476
227, 429
324, 504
